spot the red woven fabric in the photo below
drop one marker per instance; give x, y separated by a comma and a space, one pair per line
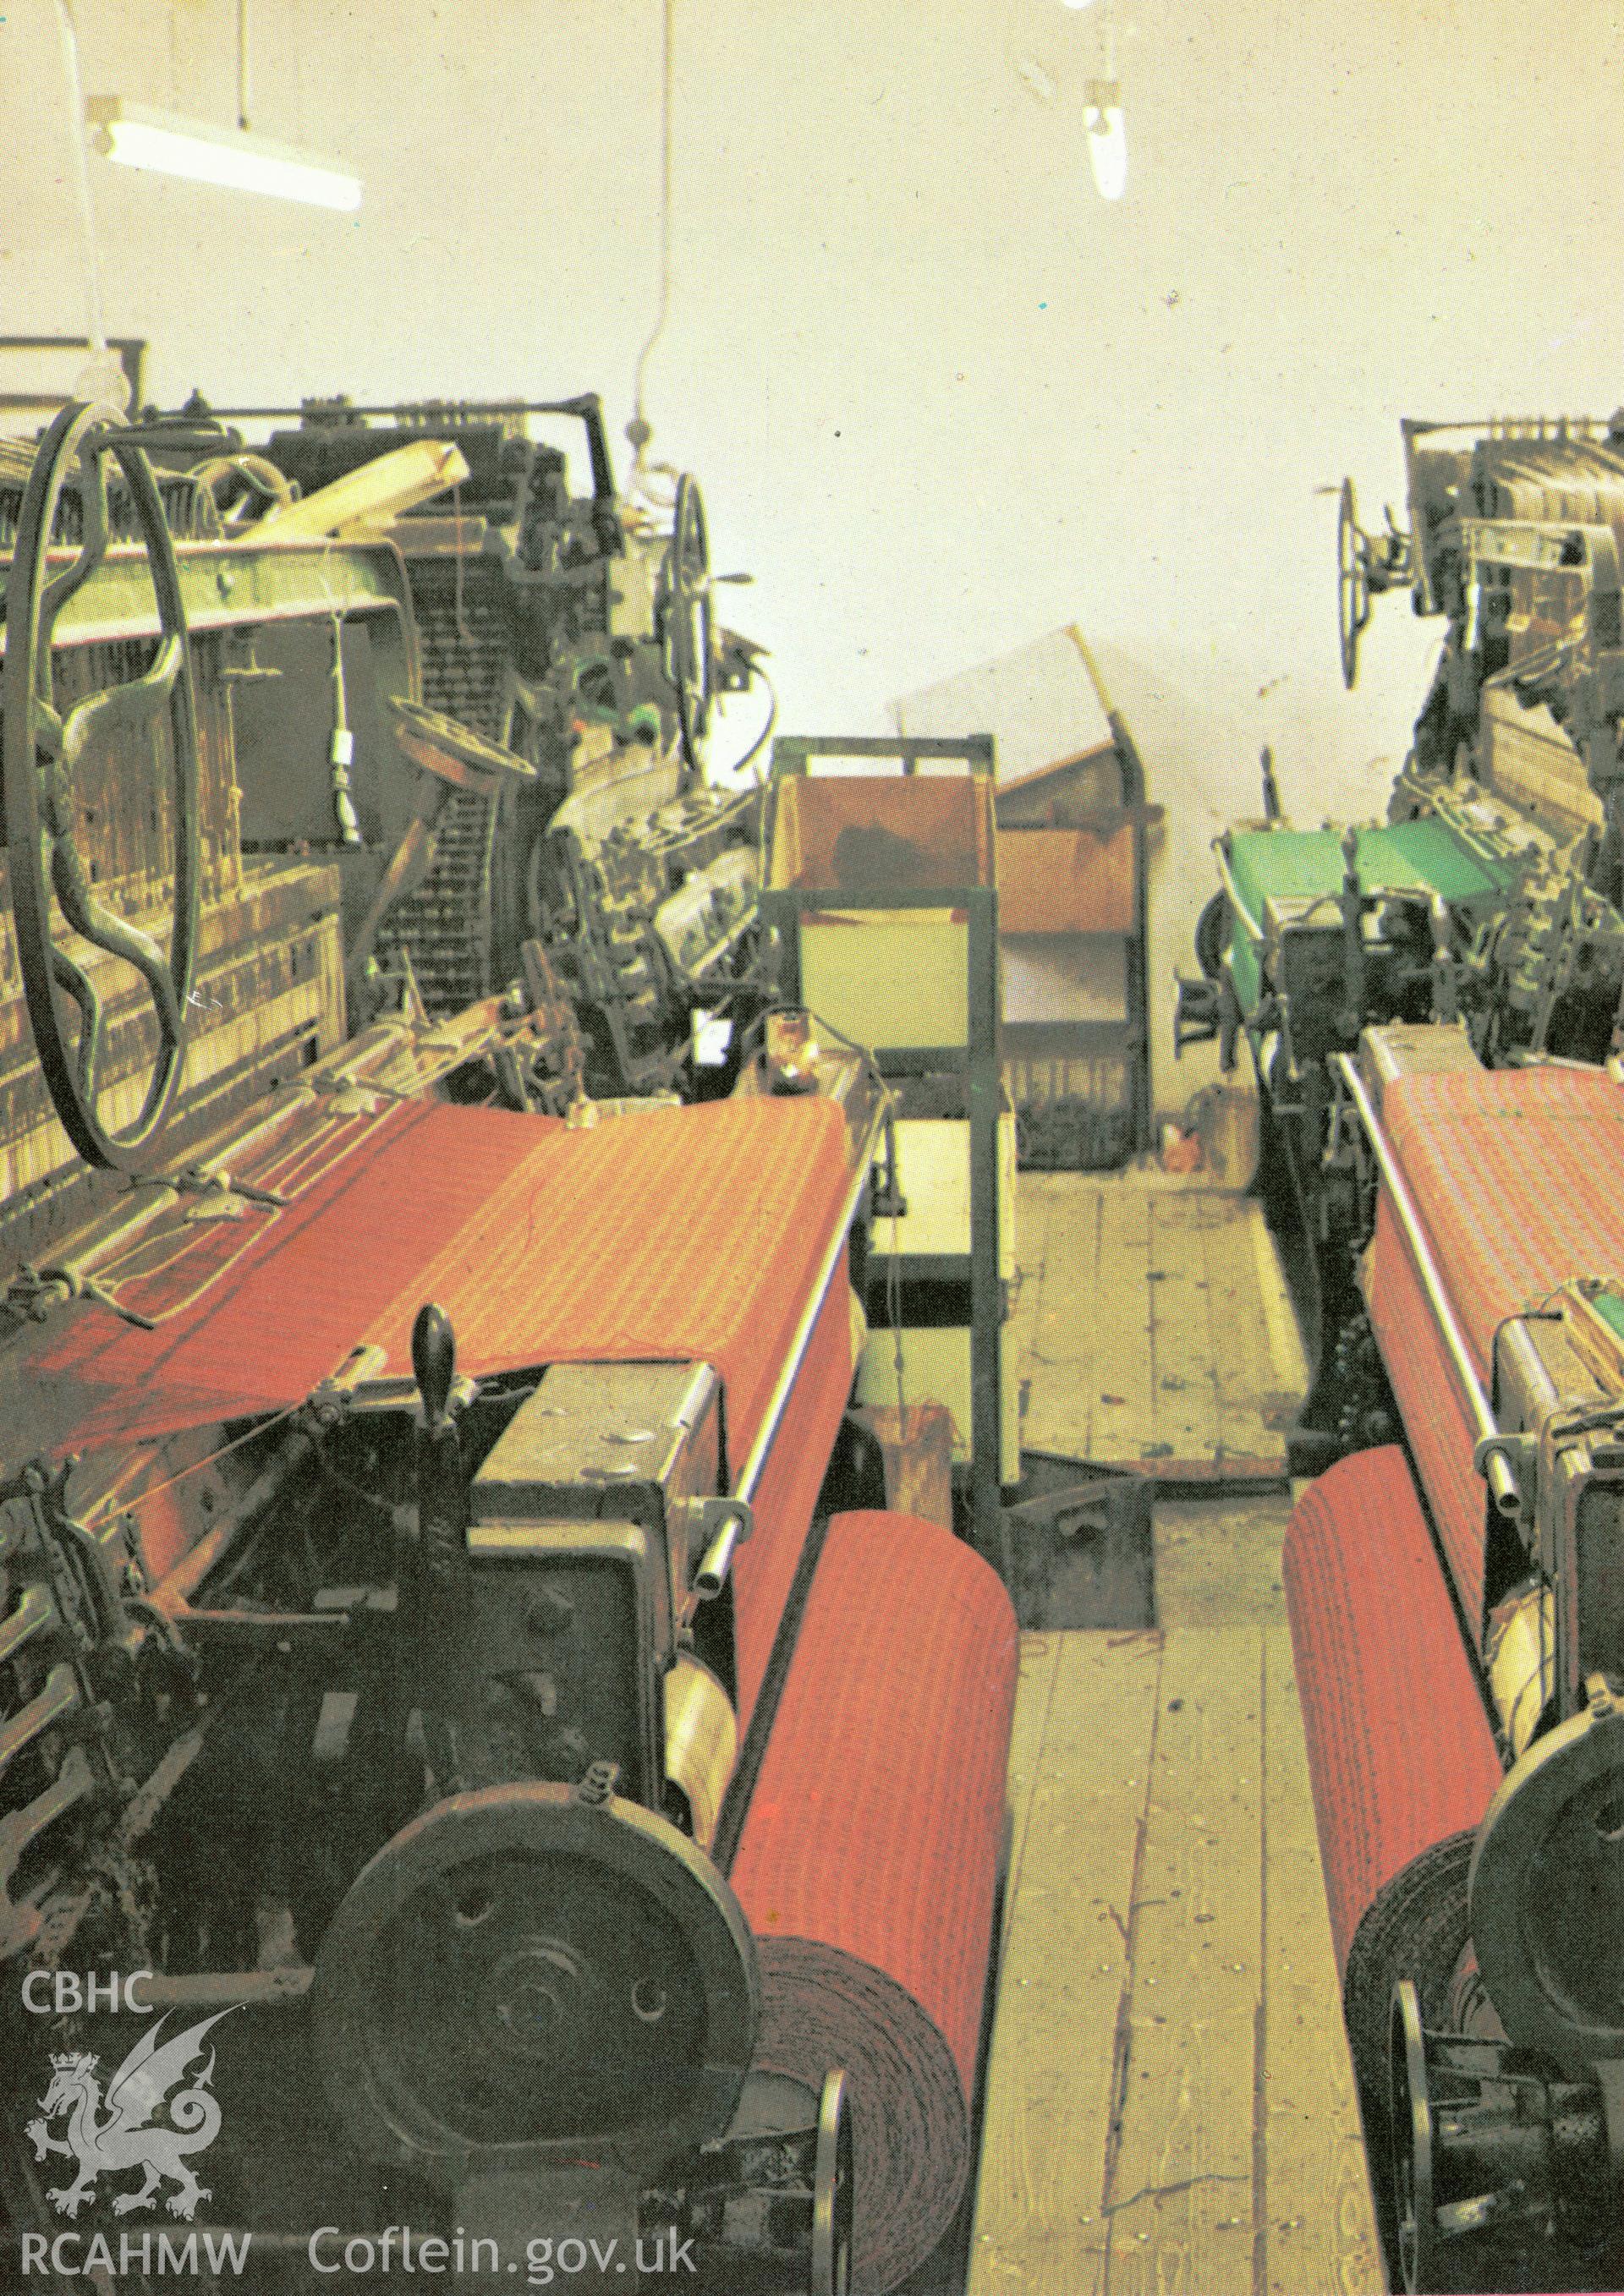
1519, 1177
684, 1234
877, 1821
1401, 1751
764, 1569
1426, 1387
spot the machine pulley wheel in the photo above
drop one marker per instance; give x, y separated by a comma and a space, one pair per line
153, 719
1352, 583
1411, 2125
1547, 1891
834, 2193
682, 619
1213, 929
521, 1967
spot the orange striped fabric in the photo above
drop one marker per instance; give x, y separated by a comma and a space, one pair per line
673, 1234
1518, 1176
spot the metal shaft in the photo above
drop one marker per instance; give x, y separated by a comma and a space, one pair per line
750, 1475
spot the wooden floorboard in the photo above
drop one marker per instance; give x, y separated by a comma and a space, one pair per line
1253, 1408
1052, 2082
1321, 2236
1034, 1697
1125, 1423
1153, 1329
1182, 2181
1169, 2102
1217, 1560
1187, 1414
1065, 1280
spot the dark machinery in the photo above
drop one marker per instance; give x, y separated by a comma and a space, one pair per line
413, 1514
1459, 1615
1492, 899
575, 632
1433, 1007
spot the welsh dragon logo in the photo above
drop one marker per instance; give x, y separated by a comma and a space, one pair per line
109, 2136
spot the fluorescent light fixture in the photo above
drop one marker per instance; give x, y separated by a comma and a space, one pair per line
1107, 138
205, 155
1077, 3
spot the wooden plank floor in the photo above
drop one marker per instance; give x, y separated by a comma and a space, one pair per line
1192, 1370
1171, 2106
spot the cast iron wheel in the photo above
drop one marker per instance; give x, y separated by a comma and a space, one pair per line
835, 2190
43, 748
523, 1965
1410, 2115
683, 618
1213, 929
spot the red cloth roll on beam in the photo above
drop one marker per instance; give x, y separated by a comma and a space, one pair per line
868, 1863
1427, 1389
1400, 1751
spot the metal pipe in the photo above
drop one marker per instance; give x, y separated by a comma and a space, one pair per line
59, 1696
717, 1561
37, 1609
1492, 1461
750, 1475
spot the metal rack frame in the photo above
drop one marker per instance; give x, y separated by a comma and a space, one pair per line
977, 1060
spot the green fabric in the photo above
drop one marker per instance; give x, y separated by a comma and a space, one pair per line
1299, 863
1245, 968
1305, 865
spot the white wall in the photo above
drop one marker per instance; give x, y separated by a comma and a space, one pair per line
941, 396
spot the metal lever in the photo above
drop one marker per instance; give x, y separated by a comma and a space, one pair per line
437, 1594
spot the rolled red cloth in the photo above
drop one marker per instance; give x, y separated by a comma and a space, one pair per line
1401, 1755
868, 1864
1427, 1389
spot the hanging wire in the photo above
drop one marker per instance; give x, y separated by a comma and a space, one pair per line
243, 120
81, 174
639, 430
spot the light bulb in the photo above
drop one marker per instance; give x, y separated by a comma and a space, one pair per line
1107, 137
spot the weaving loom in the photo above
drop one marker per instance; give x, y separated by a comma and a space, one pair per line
1457, 1622
446, 1639
1490, 902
